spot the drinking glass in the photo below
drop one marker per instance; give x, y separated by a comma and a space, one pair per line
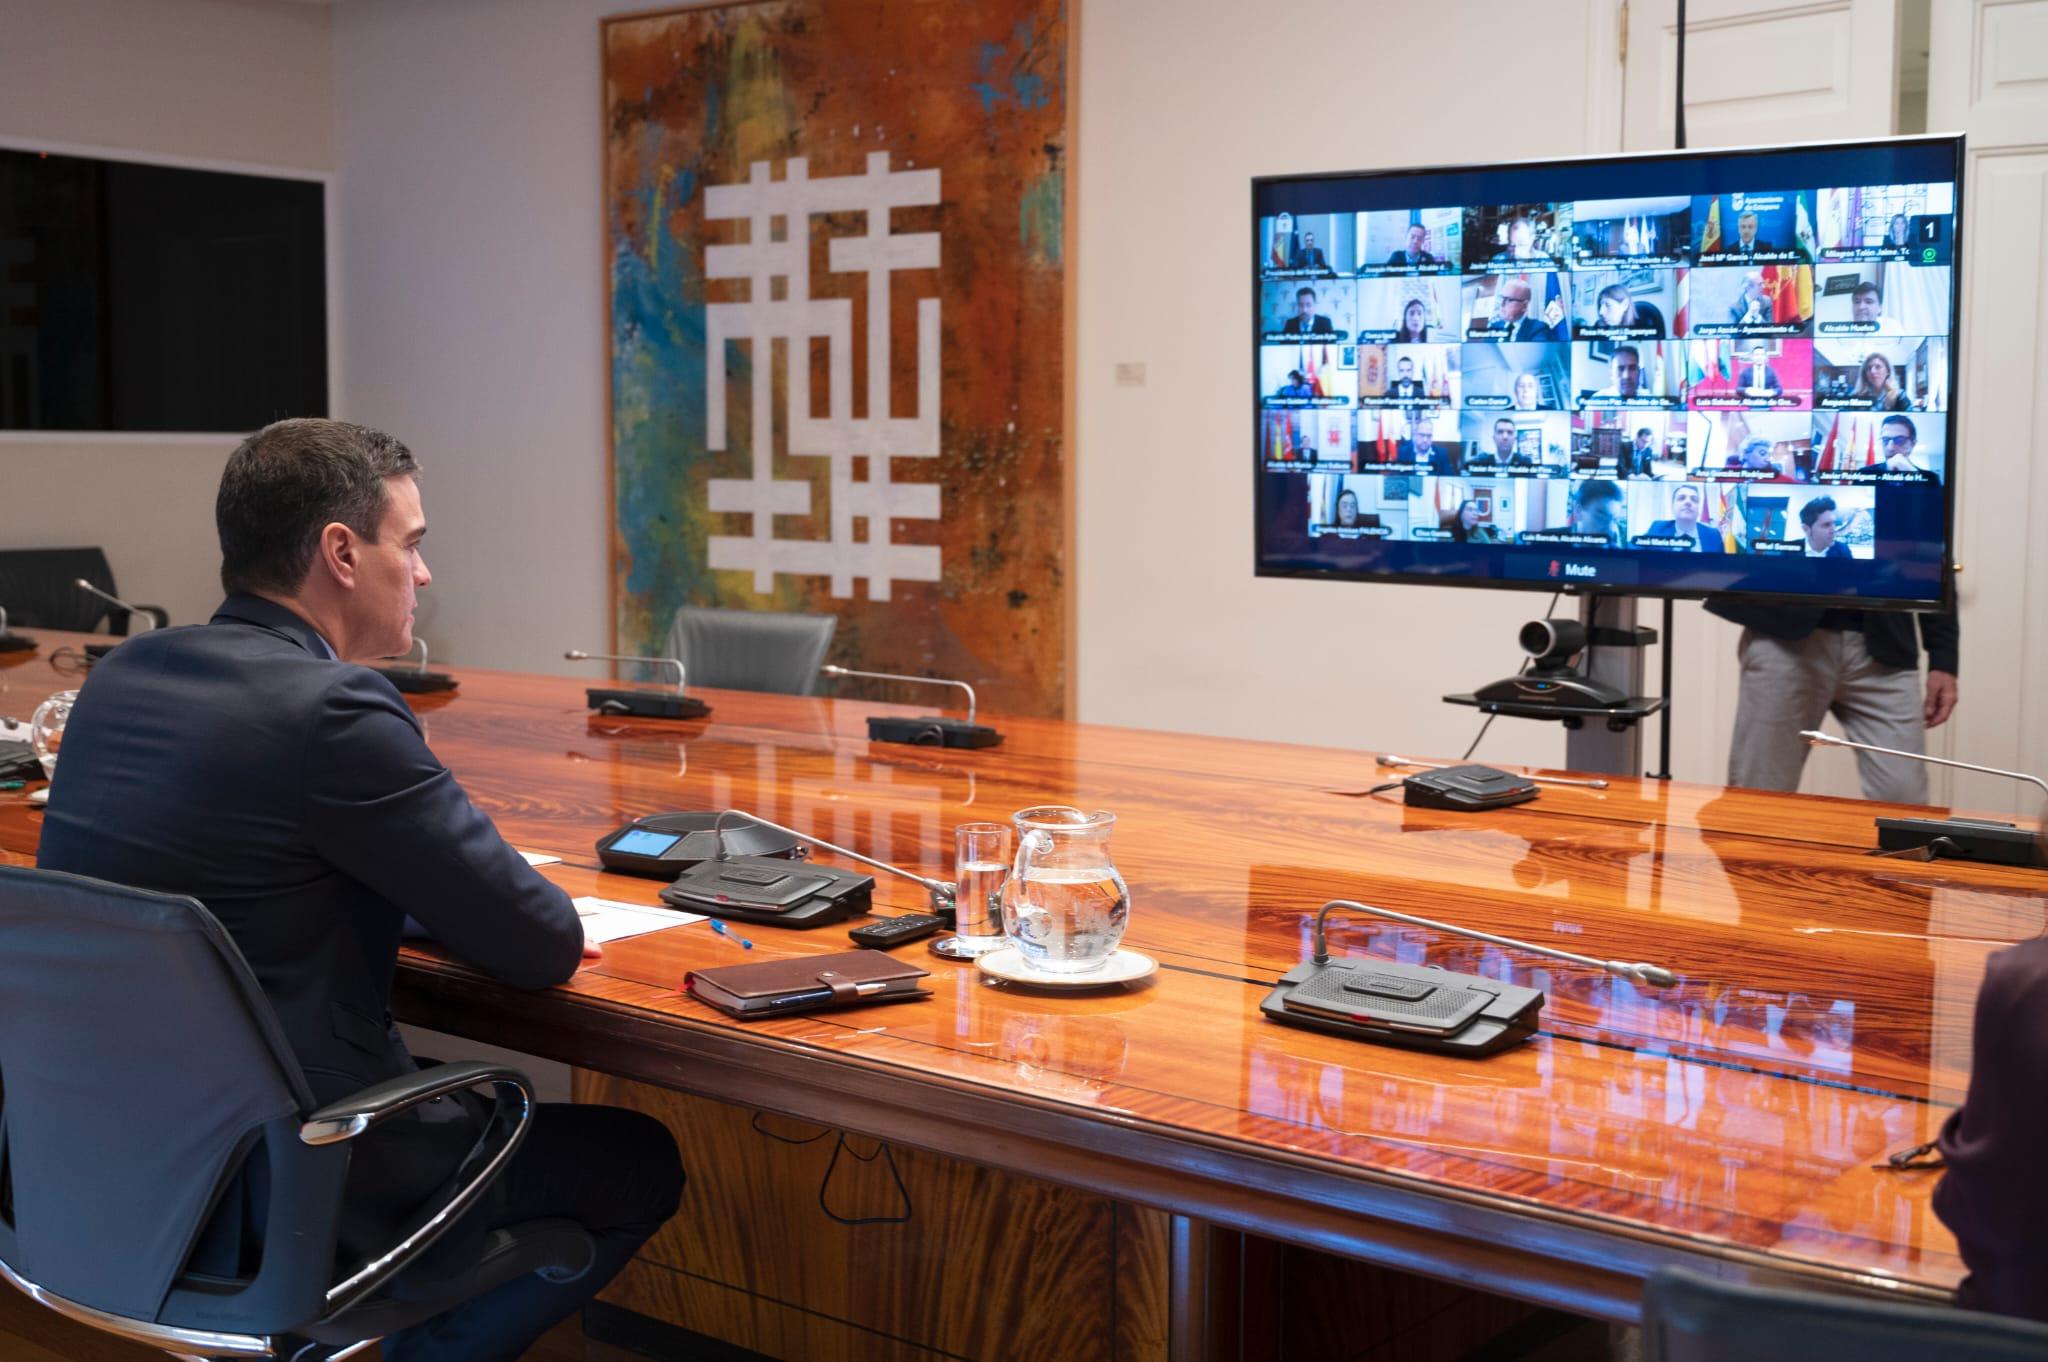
46, 728
981, 863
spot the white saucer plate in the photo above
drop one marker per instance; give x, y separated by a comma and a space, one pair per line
1122, 967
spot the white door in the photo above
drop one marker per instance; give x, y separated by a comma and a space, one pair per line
1757, 73
1988, 78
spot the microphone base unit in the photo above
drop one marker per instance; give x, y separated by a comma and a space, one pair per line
410, 682
644, 704
16, 643
771, 892
662, 846
1467, 789
931, 731
1410, 1007
1960, 839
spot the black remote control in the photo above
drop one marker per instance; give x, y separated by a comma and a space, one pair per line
895, 931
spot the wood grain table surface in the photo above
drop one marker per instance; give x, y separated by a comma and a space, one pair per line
1730, 1123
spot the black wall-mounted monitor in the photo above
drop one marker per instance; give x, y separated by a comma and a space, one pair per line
155, 298
1682, 374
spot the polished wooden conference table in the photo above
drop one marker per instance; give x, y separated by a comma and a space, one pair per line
1734, 1123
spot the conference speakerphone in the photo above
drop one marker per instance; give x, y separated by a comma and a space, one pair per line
645, 704
412, 682
663, 845
772, 892
931, 731
1412, 1006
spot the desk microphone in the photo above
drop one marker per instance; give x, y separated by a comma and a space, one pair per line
927, 731
417, 680
940, 891
1962, 839
646, 704
12, 643
135, 612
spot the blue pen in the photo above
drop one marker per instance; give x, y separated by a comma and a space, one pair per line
720, 928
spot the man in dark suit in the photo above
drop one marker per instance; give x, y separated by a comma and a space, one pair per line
1685, 522
1406, 386
1310, 256
1992, 1196
1306, 320
1757, 378
246, 762
1415, 254
1752, 307
1420, 449
1511, 319
1746, 243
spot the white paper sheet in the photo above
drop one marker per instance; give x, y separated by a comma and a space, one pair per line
540, 858
609, 920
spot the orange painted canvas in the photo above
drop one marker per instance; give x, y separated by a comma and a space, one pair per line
836, 272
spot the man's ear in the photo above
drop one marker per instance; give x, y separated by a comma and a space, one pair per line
338, 554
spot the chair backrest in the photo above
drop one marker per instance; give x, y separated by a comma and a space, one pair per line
39, 587
751, 649
1691, 1318
143, 1077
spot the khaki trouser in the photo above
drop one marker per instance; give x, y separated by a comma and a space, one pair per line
1787, 687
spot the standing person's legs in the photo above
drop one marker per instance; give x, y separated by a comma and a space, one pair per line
615, 1172
1786, 687
1882, 706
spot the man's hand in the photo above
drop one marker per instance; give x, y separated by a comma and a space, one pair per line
1941, 698
591, 950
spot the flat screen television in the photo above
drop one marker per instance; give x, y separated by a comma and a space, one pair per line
1683, 374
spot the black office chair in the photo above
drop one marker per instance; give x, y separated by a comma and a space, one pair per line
164, 1175
751, 649
39, 587
1691, 1318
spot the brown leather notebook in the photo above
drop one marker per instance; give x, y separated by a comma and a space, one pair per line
808, 983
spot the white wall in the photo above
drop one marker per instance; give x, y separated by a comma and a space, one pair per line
243, 81
1182, 102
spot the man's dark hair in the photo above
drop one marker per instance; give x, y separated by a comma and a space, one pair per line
1598, 489
1814, 510
1628, 350
1867, 287
1644, 430
288, 482
1912, 431
1304, 292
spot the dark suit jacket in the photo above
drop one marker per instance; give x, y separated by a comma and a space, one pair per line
294, 796
1888, 635
1994, 1196
1401, 258
1407, 388
1320, 326
1745, 379
1311, 258
1734, 247
1710, 537
1527, 329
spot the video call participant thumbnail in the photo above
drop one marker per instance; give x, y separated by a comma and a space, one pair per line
1750, 446
1314, 374
1515, 308
1763, 300
1862, 375
1294, 439
1682, 527
1594, 515
1304, 245
1404, 241
1516, 443
1625, 374
1879, 447
1355, 506
1401, 310
1647, 230
1750, 373
1468, 523
1409, 376
1305, 316
1909, 222
1606, 306
1627, 444
1517, 236
1753, 227
1516, 377
1881, 300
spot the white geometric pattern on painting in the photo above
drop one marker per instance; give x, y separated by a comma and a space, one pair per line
776, 262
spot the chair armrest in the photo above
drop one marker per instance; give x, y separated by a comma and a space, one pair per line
358, 1112
351, 1116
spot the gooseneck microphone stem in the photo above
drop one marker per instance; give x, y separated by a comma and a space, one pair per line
941, 891
830, 669
1815, 738
578, 655
135, 612
406, 656
1654, 976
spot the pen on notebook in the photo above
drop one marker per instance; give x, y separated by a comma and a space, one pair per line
720, 928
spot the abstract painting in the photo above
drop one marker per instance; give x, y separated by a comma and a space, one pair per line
836, 249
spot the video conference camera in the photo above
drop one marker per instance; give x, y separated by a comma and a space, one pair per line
1551, 678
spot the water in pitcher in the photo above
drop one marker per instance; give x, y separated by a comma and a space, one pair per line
1066, 920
